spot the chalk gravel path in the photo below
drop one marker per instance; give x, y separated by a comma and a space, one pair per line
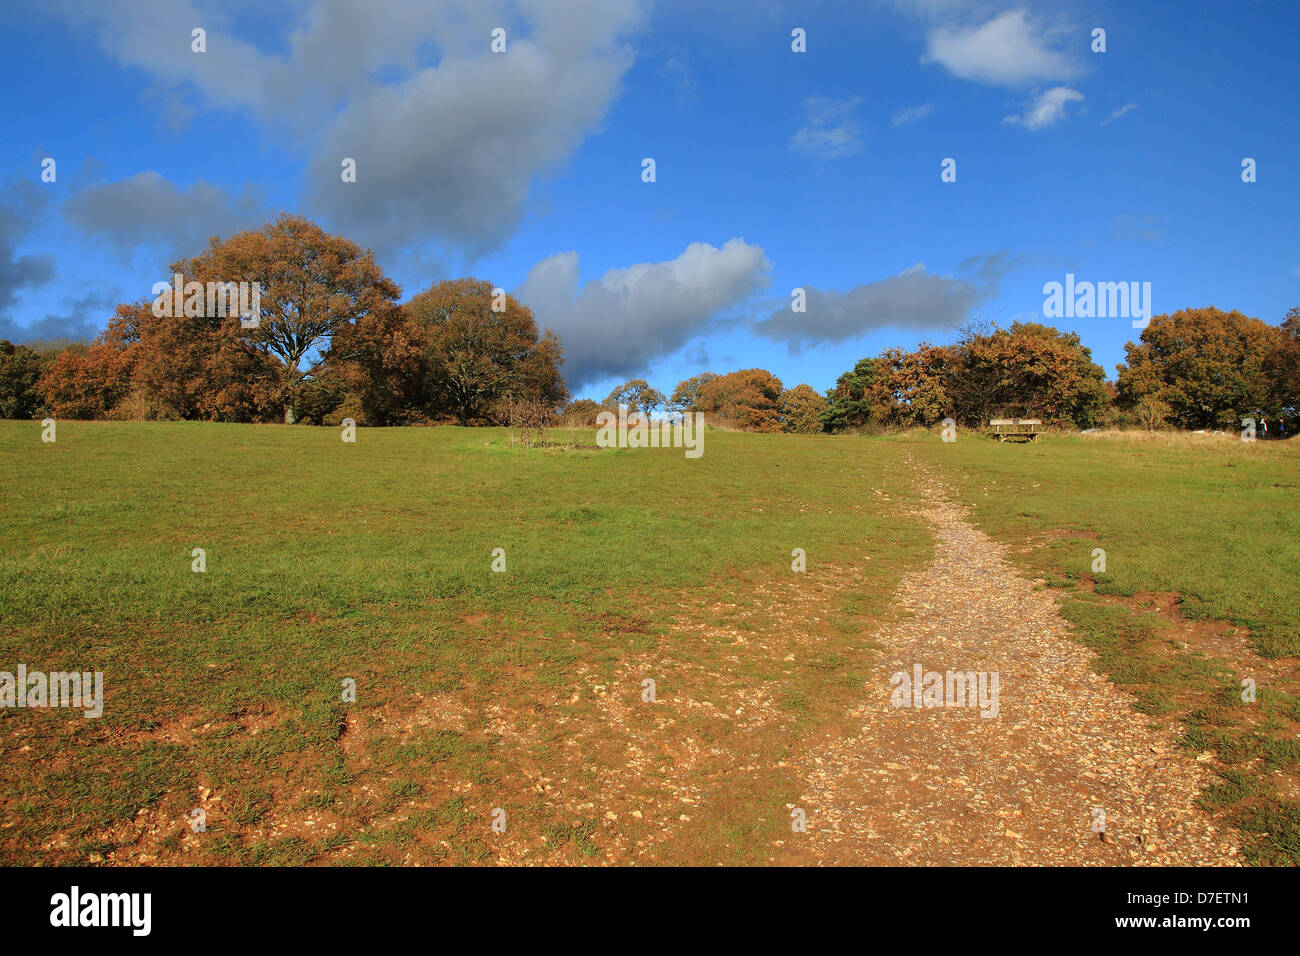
947, 786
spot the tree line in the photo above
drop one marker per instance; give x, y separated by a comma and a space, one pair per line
330, 341
1194, 369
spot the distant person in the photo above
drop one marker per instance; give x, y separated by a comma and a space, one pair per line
1281, 429
1263, 427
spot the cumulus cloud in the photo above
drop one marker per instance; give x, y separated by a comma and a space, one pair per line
1008, 50
149, 210
21, 206
1047, 109
914, 300
455, 151
829, 131
447, 135
615, 326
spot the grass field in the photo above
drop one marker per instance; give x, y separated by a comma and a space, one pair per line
523, 691
475, 690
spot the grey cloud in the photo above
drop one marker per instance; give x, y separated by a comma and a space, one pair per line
149, 210
154, 35
454, 152
448, 136
914, 299
85, 317
618, 324
21, 206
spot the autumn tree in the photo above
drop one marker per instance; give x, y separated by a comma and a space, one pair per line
800, 410
1029, 370
910, 388
580, 413
686, 395
482, 348
383, 359
1283, 368
196, 366
313, 284
1151, 412
93, 381
1209, 367
748, 399
636, 394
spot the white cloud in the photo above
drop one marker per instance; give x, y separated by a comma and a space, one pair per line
617, 324
912, 114
676, 73
1118, 113
829, 131
1008, 50
1047, 110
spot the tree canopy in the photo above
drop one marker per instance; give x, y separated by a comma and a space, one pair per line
1210, 368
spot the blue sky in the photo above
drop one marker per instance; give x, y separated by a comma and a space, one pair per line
774, 169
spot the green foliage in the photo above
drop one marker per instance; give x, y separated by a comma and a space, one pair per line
637, 395
801, 409
20, 374
849, 403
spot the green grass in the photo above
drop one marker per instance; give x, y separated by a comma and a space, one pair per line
372, 561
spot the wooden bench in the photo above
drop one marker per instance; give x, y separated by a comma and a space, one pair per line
1027, 429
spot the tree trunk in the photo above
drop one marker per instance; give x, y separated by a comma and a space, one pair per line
291, 398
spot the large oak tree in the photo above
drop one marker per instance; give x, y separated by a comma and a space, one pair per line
313, 284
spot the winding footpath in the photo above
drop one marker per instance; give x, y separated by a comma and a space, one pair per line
1066, 773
